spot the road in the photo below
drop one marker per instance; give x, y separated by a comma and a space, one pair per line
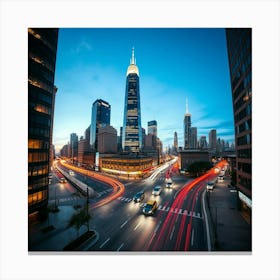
177, 225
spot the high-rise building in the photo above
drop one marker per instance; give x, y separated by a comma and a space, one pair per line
107, 140
239, 46
203, 143
42, 48
175, 141
193, 138
100, 117
152, 128
132, 129
187, 128
74, 139
213, 139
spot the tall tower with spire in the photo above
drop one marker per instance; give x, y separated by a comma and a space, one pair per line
132, 129
187, 128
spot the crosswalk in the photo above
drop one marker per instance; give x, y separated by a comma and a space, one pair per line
167, 209
104, 192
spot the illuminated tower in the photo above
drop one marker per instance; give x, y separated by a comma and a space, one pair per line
132, 130
187, 128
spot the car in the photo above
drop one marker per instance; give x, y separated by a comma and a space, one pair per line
168, 182
210, 186
71, 173
156, 190
150, 207
220, 179
62, 180
139, 196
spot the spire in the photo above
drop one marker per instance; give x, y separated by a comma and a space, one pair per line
187, 106
132, 60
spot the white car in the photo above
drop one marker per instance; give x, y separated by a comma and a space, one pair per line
156, 190
210, 186
220, 179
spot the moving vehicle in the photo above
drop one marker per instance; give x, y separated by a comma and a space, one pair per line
168, 182
210, 186
150, 207
156, 190
71, 173
62, 180
220, 179
139, 196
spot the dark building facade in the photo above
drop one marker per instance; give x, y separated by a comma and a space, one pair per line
239, 46
100, 117
132, 129
42, 48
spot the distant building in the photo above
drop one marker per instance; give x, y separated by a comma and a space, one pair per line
187, 129
152, 128
239, 46
132, 130
85, 153
74, 146
107, 140
193, 138
203, 143
100, 117
213, 139
42, 49
175, 141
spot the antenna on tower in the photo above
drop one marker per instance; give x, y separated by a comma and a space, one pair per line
132, 60
187, 106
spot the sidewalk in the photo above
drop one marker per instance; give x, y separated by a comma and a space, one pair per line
229, 229
58, 235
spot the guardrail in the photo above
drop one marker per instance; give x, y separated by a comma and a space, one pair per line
82, 187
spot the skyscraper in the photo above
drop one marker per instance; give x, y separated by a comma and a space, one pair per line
100, 117
187, 128
175, 141
74, 139
42, 48
239, 46
213, 139
152, 128
132, 129
193, 138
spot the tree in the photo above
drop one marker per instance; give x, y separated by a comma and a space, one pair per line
79, 219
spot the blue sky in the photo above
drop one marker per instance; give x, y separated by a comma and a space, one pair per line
175, 64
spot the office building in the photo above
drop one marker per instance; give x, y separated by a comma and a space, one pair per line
193, 138
107, 140
187, 128
213, 140
42, 48
74, 146
175, 141
132, 129
203, 143
152, 128
100, 117
239, 47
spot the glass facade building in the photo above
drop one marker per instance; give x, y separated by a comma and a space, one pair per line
187, 131
239, 46
132, 130
100, 117
42, 48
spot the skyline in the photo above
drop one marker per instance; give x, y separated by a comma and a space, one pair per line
174, 64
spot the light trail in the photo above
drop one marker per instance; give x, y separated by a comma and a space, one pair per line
118, 187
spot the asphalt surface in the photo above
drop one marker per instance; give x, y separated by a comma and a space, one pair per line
179, 224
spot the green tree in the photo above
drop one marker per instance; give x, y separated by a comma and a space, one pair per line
79, 219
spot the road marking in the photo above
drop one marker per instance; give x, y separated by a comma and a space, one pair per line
120, 247
171, 235
137, 225
104, 243
206, 222
124, 224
